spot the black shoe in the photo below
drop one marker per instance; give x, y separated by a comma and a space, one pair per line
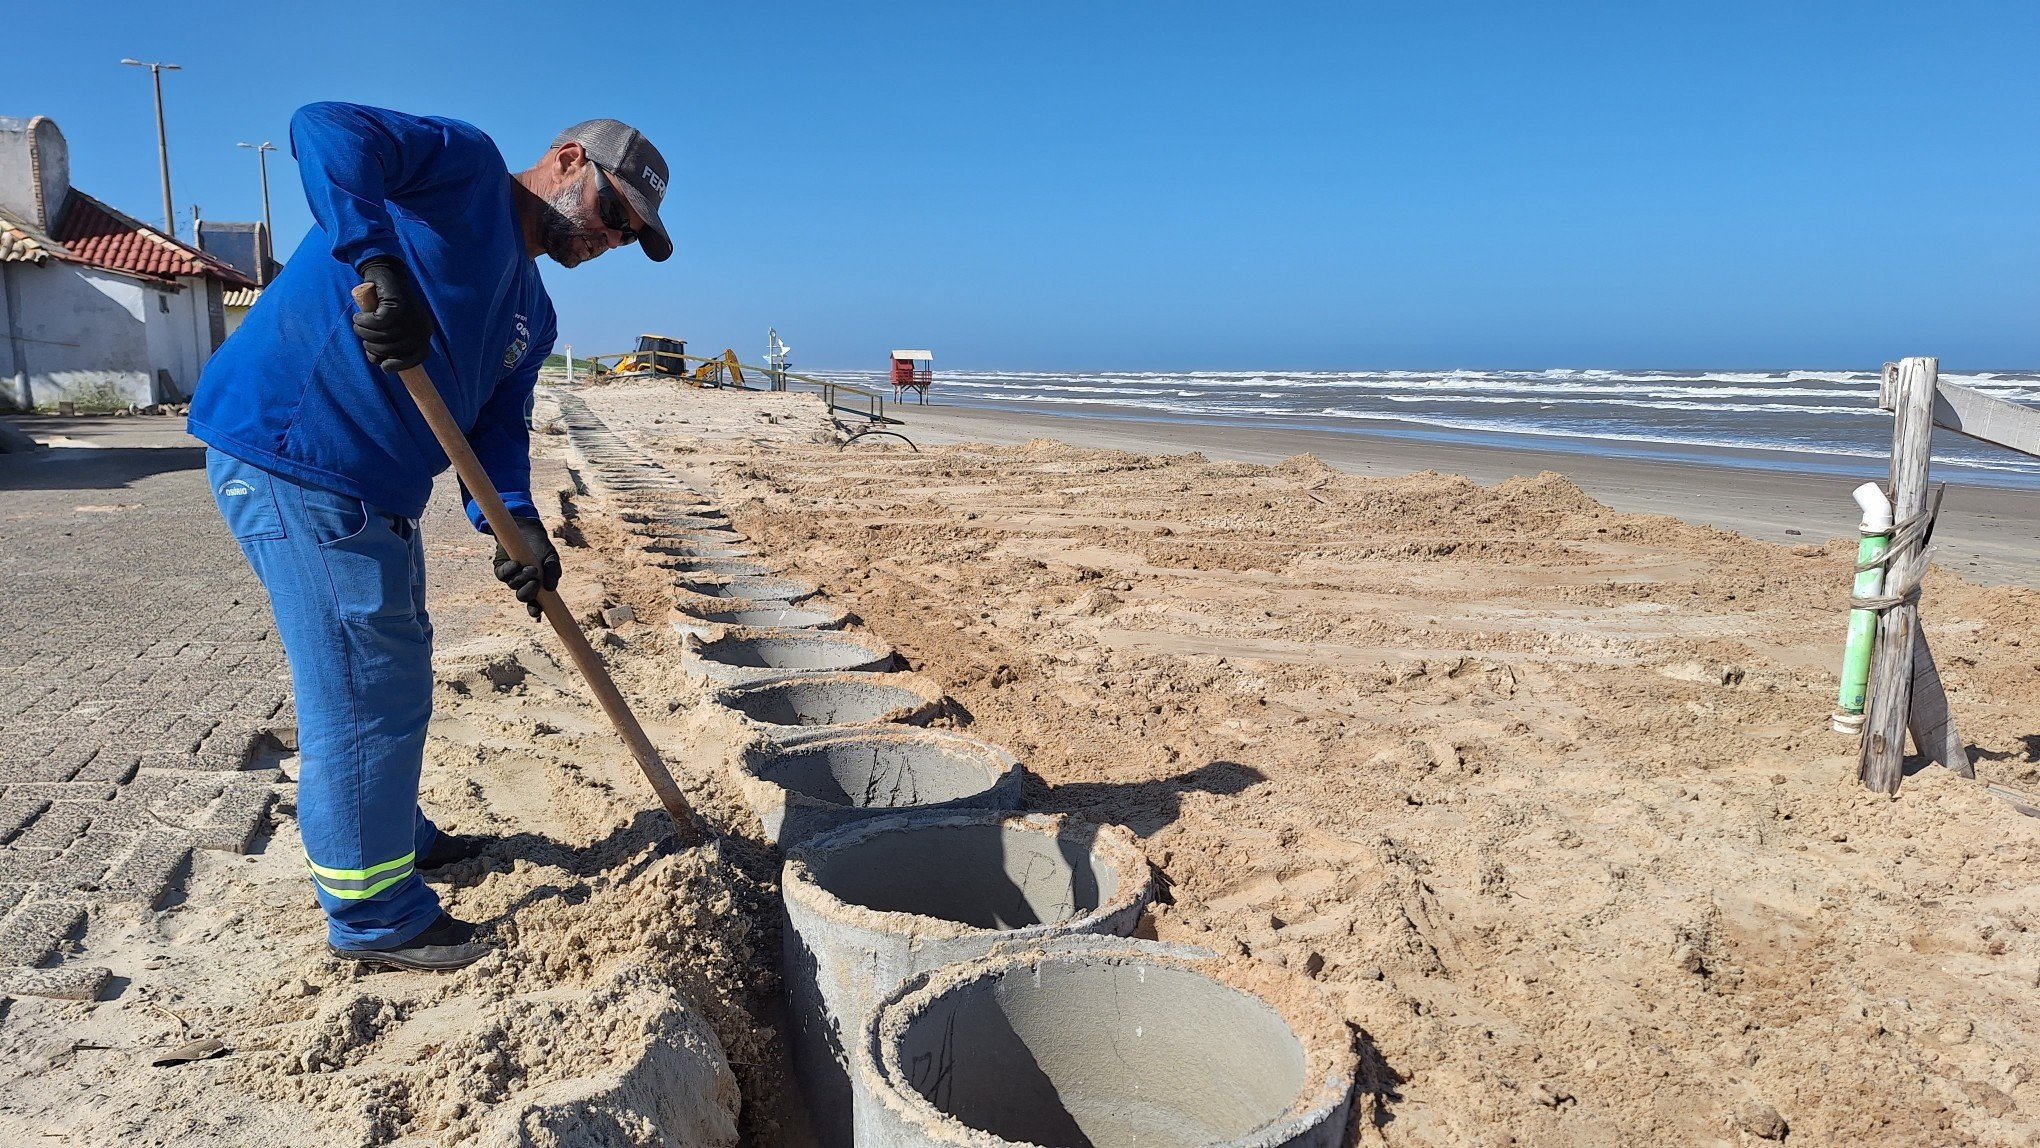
448, 944
448, 848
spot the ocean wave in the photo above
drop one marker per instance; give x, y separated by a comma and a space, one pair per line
1466, 384
1826, 412
1994, 461
1652, 404
1660, 385
2000, 464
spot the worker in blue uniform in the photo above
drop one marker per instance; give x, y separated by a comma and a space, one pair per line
321, 465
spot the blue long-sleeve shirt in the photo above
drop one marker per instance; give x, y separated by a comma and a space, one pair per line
293, 393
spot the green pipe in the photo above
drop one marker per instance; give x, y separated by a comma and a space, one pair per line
1876, 530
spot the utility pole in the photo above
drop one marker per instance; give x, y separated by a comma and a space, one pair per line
262, 151
162, 139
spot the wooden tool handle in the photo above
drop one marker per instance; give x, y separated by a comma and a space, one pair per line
454, 441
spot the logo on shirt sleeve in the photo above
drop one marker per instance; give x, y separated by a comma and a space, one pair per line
515, 351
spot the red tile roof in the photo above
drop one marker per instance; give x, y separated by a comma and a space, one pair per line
98, 236
23, 242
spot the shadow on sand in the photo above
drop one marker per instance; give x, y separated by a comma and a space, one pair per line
1145, 807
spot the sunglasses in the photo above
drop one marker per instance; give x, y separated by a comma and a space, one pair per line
615, 216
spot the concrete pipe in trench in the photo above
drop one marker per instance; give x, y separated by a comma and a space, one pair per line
786, 706
821, 783
695, 538
874, 903
751, 589
697, 567
659, 512
742, 654
674, 523
1104, 1043
704, 617
687, 547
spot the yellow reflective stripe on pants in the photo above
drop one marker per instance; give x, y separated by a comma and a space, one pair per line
359, 884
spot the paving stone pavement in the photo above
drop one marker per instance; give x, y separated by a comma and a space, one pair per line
140, 684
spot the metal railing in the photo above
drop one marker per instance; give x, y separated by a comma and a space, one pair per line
840, 398
874, 403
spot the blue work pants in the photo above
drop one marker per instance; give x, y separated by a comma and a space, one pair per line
346, 585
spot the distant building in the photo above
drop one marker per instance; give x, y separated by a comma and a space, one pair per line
95, 306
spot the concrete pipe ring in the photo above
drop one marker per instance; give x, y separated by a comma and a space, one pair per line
874, 903
686, 546
743, 654
819, 784
787, 590
789, 707
1105, 1043
694, 566
705, 617
697, 538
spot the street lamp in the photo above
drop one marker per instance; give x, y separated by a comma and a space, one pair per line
262, 151
162, 139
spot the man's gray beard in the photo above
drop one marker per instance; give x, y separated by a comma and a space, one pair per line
561, 225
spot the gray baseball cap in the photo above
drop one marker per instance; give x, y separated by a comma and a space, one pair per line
638, 169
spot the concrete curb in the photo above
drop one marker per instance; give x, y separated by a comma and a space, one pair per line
14, 440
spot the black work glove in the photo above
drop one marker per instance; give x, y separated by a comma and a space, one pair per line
526, 580
398, 334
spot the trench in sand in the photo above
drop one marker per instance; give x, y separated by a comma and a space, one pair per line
894, 875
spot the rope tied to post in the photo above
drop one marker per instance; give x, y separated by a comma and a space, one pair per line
1908, 536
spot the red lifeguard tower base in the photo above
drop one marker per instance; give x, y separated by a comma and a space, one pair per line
912, 371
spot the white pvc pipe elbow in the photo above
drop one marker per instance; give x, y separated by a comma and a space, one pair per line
1876, 508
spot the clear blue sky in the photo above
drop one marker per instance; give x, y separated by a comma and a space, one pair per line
1157, 185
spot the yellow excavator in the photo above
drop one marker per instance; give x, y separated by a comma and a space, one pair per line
725, 371
655, 354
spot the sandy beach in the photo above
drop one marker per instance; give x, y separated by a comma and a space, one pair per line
1534, 785
1540, 789
1986, 532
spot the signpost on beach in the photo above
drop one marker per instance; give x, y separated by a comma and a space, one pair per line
1905, 693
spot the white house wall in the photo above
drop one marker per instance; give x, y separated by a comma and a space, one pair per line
189, 341
13, 383
82, 334
161, 326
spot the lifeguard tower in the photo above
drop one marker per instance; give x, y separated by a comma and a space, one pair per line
912, 371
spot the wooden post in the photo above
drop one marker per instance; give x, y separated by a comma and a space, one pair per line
1888, 704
